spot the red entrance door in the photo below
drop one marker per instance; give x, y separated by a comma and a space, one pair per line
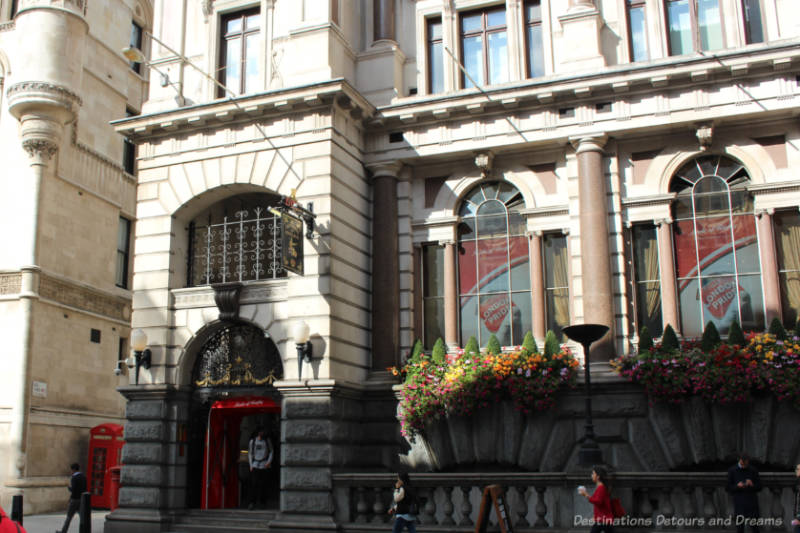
220, 472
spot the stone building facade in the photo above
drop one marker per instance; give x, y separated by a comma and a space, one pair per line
67, 203
475, 167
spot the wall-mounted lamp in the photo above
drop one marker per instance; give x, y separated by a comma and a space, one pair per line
300, 334
141, 354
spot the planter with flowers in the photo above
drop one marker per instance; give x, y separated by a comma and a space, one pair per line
473, 406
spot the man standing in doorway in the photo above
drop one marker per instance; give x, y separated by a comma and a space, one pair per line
77, 486
260, 455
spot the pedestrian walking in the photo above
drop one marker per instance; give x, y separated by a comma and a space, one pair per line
404, 505
77, 486
601, 501
9, 526
744, 484
796, 511
259, 454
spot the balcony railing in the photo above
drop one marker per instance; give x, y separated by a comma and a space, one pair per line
682, 501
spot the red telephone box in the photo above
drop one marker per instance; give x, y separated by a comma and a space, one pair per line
105, 451
220, 474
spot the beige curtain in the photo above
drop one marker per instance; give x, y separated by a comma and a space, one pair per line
561, 279
789, 257
650, 273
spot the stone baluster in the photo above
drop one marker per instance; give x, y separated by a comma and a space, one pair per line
466, 507
646, 508
541, 507
449, 509
777, 508
690, 510
429, 511
361, 505
665, 506
378, 507
709, 508
522, 507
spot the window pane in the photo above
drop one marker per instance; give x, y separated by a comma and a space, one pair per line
744, 231
498, 57
467, 268
720, 296
495, 318
233, 54
493, 265
252, 21
533, 11
434, 320
638, 34
708, 18
535, 52
470, 320
648, 308
516, 224
520, 316
714, 246
437, 67
434, 29
473, 60
680, 28
689, 297
790, 295
119, 278
491, 225
787, 241
520, 270
472, 22
754, 29
251, 63
433, 271
685, 250
234, 25
645, 253
123, 232
496, 18
752, 303
555, 261
557, 305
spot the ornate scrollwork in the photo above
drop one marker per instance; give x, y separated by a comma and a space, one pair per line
238, 355
40, 149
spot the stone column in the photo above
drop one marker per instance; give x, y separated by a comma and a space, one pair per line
598, 303
385, 272
666, 272
450, 294
383, 20
537, 286
769, 265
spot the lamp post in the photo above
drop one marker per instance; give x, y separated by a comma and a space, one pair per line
300, 334
141, 354
589, 453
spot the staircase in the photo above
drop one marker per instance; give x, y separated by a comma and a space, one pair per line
222, 520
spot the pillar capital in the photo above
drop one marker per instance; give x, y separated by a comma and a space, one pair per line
39, 150
589, 143
388, 169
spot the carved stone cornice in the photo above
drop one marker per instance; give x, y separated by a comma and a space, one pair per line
43, 89
84, 298
10, 283
40, 149
73, 6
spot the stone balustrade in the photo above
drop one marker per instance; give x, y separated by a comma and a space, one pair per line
681, 501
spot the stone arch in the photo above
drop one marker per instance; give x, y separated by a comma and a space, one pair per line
451, 202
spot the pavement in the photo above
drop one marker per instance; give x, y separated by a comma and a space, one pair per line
48, 523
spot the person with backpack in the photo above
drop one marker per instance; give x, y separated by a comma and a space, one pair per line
9, 526
259, 454
77, 486
601, 501
404, 505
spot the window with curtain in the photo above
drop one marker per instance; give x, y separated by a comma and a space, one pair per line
435, 56
753, 25
647, 283
238, 65
493, 267
236, 239
484, 46
432, 293
637, 31
694, 25
533, 38
136, 42
716, 248
556, 281
123, 252
787, 243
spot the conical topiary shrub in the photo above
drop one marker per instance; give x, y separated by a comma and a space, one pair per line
529, 343
439, 352
415, 352
776, 328
797, 329
493, 346
645, 340
472, 347
551, 344
669, 340
711, 338
735, 335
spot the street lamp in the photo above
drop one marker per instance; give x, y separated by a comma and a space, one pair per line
300, 334
589, 453
141, 354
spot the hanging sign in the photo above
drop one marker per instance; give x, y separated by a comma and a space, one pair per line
292, 243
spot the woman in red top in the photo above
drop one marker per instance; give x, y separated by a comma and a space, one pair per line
601, 500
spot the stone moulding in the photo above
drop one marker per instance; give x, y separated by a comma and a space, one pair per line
83, 298
198, 297
30, 88
10, 283
75, 6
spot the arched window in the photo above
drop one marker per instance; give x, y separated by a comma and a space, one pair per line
716, 249
493, 271
237, 239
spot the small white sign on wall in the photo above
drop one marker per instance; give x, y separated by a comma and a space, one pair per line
40, 389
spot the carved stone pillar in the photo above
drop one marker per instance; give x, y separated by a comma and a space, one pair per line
383, 20
769, 265
450, 295
539, 320
385, 272
598, 303
666, 272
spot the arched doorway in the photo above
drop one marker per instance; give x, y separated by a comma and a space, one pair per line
232, 397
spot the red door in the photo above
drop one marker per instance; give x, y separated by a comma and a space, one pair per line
220, 473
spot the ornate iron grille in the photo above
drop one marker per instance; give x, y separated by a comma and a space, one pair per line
244, 247
237, 356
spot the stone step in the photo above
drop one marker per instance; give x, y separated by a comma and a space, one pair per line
229, 520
